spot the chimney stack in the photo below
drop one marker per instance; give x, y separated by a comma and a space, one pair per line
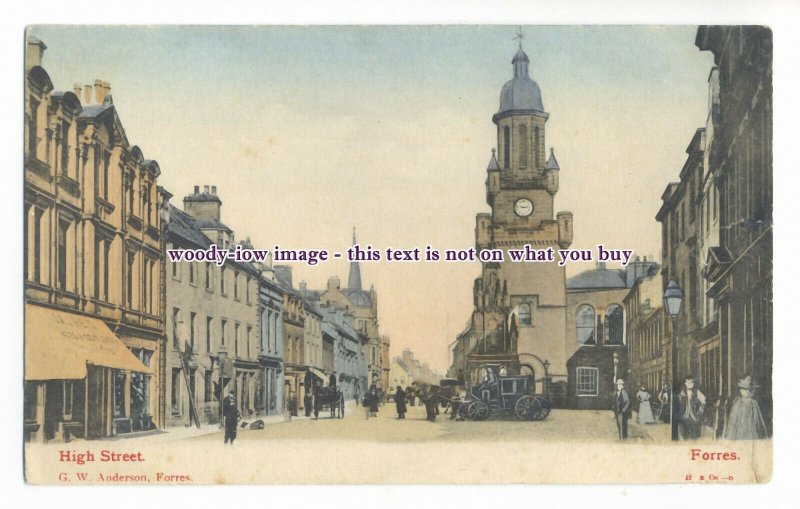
87, 94
202, 206
34, 53
98, 91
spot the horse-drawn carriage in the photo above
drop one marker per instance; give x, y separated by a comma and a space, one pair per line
328, 398
498, 393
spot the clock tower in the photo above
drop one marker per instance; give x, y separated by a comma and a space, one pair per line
519, 318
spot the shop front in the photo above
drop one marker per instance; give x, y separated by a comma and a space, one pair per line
81, 380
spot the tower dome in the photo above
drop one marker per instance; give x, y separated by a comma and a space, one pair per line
520, 93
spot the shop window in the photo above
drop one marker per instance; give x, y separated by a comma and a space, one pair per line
68, 399
120, 378
586, 381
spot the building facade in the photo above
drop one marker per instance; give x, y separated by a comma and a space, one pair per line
647, 329
270, 307
212, 336
93, 263
519, 318
739, 269
596, 332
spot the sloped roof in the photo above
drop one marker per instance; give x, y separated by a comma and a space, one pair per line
598, 278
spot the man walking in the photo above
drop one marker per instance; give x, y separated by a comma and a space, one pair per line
231, 416
621, 406
400, 402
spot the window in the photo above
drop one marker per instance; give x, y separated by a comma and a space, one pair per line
37, 244
68, 399
235, 285
536, 145
33, 129
249, 338
176, 391
176, 316
106, 164
208, 276
176, 272
506, 146
129, 296
613, 327
131, 186
64, 147
145, 273
222, 281
120, 378
585, 325
523, 146
236, 339
586, 381
63, 229
192, 321
208, 334
106, 251
224, 326
524, 314
247, 290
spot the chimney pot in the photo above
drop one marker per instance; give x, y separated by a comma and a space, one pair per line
205, 189
77, 89
196, 189
214, 190
87, 94
34, 53
98, 91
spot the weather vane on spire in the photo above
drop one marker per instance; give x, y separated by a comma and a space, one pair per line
519, 36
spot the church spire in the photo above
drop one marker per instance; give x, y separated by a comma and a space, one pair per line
354, 279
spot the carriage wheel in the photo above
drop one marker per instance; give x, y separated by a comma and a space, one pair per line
341, 406
543, 409
478, 411
526, 407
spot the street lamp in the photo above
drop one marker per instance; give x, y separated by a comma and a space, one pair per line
546, 365
222, 356
673, 297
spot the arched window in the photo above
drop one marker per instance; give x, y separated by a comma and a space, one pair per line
524, 314
536, 142
613, 328
523, 146
585, 325
506, 146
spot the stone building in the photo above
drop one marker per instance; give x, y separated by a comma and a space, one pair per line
294, 326
400, 375
93, 264
739, 269
647, 331
270, 304
363, 306
212, 318
519, 318
596, 340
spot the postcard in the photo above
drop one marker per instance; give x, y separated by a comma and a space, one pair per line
398, 254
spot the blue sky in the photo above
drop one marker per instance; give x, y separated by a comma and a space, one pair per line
308, 131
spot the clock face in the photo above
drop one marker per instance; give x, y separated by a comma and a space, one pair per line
523, 207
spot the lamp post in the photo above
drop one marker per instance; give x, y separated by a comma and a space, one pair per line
546, 365
222, 356
673, 297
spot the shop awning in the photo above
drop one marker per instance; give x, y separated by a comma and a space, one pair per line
322, 376
59, 345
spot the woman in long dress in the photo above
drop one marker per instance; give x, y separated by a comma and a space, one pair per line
745, 421
645, 412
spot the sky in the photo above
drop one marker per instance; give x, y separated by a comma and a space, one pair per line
308, 132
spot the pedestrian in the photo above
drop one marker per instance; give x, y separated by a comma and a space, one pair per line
621, 406
429, 400
664, 398
367, 403
455, 404
374, 400
692, 405
400, 402
307, 399
745, 421
231, 416
410, 394
645, 413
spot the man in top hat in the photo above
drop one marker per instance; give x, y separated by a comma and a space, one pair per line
745, 421
692, 407
621, 405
